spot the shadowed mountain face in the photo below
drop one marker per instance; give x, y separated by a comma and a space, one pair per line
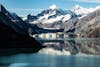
13, 38
10, 38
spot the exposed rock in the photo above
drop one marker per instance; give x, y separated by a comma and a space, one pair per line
94, 33
89, 25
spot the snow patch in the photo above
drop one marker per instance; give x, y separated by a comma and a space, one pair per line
66, 17
24, 18
53, 7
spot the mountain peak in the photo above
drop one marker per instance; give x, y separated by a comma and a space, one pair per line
77, 7
81, 11
53, 7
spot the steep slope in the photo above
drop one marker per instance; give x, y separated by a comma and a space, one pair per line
89, 25
12, 37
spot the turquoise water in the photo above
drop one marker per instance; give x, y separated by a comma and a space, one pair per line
57, 54
48, 60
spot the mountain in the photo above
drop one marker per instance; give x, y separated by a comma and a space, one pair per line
81, 11
89, 26
86, 25
77, 20
55, 17
52, 17
14, 36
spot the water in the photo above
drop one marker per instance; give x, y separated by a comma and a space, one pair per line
80, 52
44, 60
72, 45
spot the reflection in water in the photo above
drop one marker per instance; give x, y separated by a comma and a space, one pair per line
74, 45
74, 49
58, 54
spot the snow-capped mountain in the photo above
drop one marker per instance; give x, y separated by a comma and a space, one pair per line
87, 22
81, 11
53, 16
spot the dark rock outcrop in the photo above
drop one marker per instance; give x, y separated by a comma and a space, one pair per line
13, 38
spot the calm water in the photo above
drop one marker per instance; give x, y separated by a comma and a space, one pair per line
74, 45
59, 55
44, 60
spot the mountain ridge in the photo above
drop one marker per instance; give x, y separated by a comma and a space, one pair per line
53, 18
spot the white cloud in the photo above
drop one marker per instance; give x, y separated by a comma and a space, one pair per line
88, 1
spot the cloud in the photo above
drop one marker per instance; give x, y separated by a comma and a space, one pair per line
88, 1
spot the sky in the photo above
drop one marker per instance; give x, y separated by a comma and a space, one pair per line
24, 7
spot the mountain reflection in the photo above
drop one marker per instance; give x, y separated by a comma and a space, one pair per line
73, 45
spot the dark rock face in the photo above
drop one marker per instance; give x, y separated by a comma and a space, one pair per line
13, 38
10, 38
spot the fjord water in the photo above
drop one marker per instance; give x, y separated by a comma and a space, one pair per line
43, 60
53, 59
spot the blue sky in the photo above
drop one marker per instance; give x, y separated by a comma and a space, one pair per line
24, 7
